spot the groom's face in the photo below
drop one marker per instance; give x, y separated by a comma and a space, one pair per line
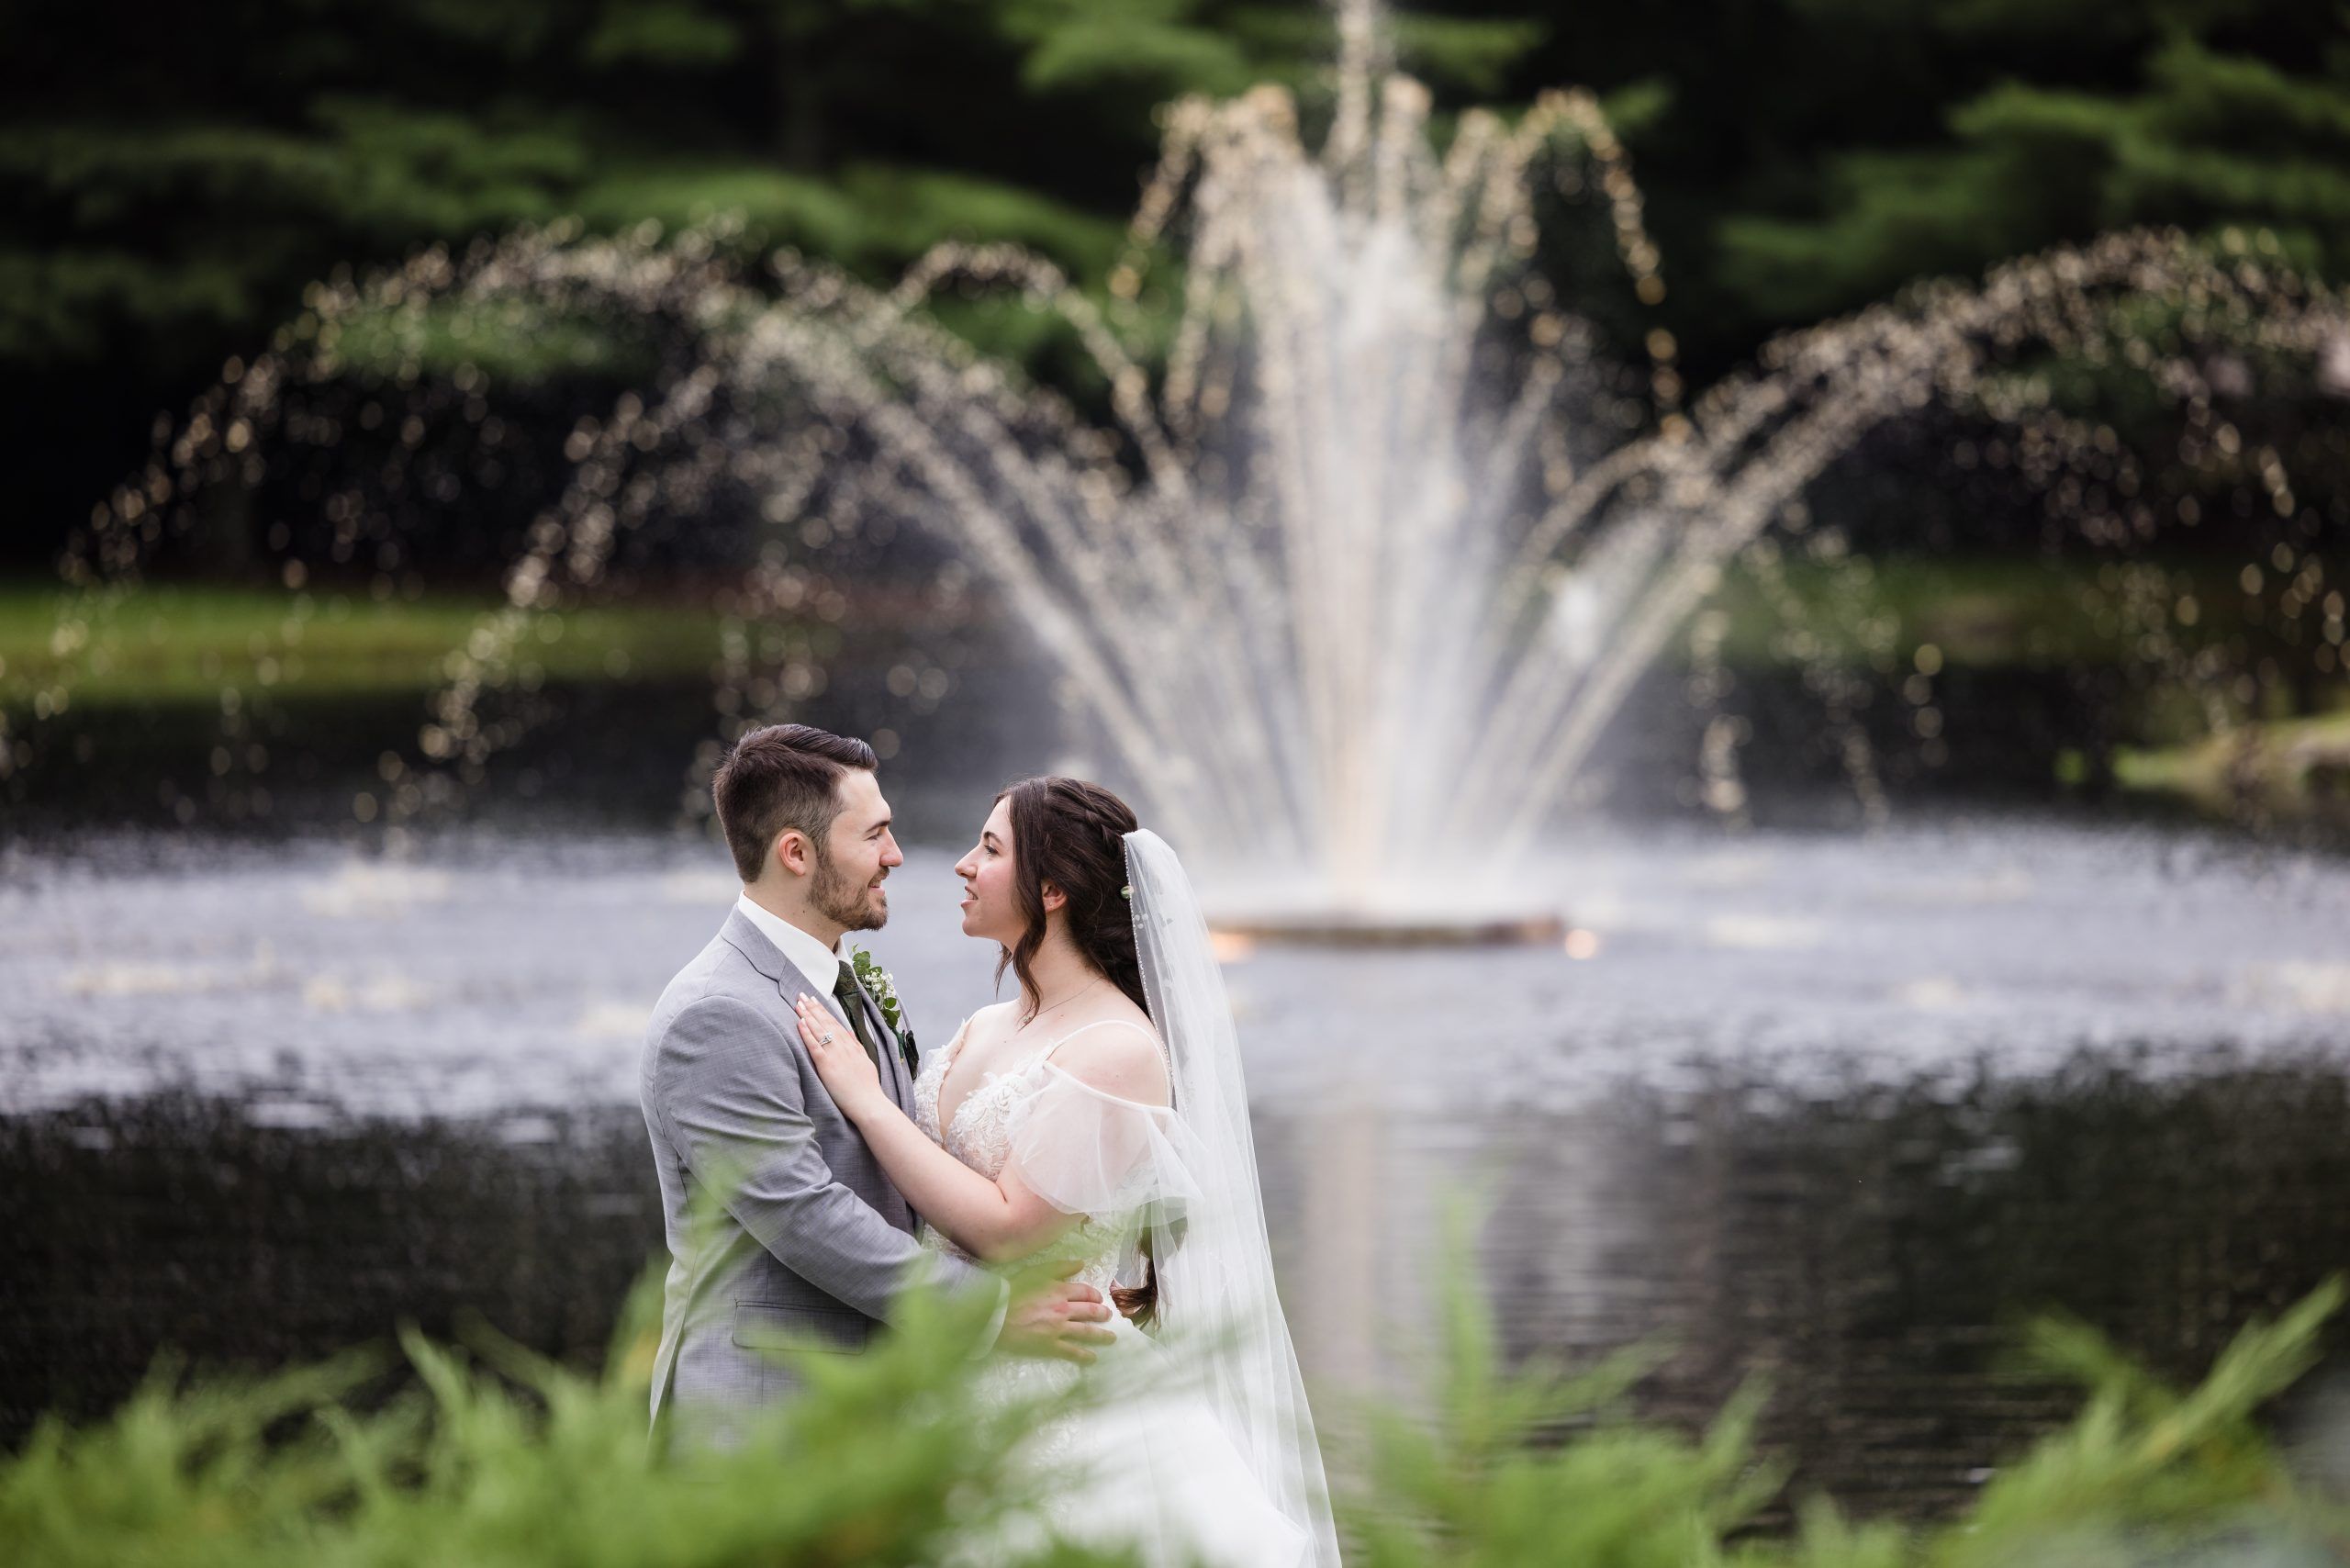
858, 853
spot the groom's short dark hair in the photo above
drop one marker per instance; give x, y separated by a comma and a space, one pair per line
785, 775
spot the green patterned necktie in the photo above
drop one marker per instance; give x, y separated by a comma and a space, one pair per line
852, 999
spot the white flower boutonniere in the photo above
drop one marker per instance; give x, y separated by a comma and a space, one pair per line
883, 990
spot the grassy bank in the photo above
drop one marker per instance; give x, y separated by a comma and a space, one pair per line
1978, 612
186, 644
176, 643
2288, 768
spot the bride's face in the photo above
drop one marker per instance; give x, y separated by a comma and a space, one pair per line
990, 904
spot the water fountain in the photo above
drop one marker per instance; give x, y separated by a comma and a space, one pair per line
1359, 496
1355, 574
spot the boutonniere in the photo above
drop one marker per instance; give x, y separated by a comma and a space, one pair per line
884, 992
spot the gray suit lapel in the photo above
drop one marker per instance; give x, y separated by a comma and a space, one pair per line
893, 1067
882, 1032
765, 956
790, 981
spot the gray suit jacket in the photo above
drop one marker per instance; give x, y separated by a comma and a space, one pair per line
814, 1242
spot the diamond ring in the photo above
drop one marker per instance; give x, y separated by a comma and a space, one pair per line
823, 1040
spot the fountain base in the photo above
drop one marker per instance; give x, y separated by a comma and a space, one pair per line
1236, 933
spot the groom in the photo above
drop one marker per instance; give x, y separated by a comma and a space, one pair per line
814, 1244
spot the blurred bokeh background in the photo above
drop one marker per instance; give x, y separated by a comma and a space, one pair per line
1951, 901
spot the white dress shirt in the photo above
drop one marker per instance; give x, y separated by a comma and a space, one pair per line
821, 964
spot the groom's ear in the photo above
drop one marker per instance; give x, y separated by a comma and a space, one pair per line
793, 852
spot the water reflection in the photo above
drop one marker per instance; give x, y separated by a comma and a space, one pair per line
1872, 1254
243, 1236
1833, 1111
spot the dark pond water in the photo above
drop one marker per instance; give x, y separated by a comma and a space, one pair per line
1835, 1109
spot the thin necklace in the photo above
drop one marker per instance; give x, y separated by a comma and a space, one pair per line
1065, 1001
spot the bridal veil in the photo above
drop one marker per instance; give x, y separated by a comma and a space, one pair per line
1216, 1300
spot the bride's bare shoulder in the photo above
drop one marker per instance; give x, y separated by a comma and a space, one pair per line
992, 1022
1120, 1054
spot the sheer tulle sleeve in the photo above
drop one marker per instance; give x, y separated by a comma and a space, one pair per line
1086, 1151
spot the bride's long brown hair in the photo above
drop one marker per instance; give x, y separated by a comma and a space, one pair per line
1071, 836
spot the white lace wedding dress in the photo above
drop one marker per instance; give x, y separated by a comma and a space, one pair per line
1147, 1465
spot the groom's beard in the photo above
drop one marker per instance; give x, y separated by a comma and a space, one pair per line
843, 901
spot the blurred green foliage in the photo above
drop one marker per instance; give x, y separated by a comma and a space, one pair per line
174, 176
2203, 136
1537, 1464
495, 1456
498, 1456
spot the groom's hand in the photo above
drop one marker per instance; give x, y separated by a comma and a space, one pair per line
1050, 1316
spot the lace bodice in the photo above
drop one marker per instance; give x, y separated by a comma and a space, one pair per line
981, 1136
1145, 1468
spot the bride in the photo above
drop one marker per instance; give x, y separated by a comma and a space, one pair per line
1101, 1116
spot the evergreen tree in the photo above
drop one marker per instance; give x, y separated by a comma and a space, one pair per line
2236, 115
171, 177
